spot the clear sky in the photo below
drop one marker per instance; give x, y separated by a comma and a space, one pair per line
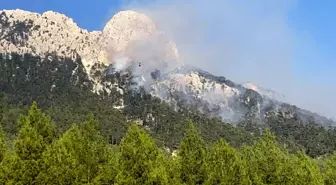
88, 14
313, 23
316, 18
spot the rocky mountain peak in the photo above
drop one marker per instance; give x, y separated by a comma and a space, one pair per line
135, 36
53, 32
63, 20
127, 26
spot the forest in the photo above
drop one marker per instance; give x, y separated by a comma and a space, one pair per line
61, 88
81, 155
58, 143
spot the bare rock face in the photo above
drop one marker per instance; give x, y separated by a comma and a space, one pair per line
53, 32
134, 35
127, 26
192, 87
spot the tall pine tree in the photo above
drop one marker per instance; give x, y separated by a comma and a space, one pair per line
76, 157
192, 155
108, 170
36, 133
265, 161
225, 166
140, 160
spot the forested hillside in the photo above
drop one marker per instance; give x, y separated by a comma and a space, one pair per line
81, 155
62, 89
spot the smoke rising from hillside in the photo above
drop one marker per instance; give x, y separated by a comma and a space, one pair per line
241, 40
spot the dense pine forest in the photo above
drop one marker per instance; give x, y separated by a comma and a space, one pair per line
81, 155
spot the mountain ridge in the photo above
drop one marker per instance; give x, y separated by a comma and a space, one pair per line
56, 32
132, 41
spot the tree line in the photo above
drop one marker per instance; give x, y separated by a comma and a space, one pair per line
81, 155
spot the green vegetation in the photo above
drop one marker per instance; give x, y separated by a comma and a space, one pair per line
81, 155
62, 90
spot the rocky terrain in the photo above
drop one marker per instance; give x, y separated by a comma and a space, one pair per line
131, 46
52, 32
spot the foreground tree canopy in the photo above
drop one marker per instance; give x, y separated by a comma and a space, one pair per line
81, 155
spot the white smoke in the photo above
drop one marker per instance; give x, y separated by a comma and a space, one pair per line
143, 57
245, 41
121, 63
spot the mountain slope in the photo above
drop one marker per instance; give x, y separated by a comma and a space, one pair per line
131, 66
52, 32
131, 43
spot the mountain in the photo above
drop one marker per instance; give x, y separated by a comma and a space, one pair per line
134, 71
266, 93
52, 32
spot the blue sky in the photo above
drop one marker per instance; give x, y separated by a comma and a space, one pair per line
88, 14
311, 23
316, 18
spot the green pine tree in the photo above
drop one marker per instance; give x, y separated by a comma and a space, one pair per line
192, 155
225, 166
265, 161
140, 160
9, 168
36, 133
330, 171
61, 165
172, 165
303, 170
76, 157
108, 170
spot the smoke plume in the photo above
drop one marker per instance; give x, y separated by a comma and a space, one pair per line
243, 41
